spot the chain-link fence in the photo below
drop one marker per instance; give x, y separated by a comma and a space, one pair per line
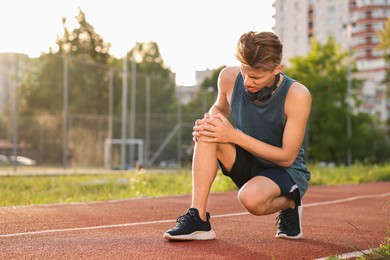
75, 113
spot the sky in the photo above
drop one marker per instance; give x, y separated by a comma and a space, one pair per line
192, 35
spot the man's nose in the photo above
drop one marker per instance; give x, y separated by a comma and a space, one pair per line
248, 82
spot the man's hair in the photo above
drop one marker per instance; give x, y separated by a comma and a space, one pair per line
261, 50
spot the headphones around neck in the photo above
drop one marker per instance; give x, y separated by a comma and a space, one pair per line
265, 93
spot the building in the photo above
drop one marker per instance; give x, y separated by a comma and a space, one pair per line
367, 17
186, 94
189, 93
201, 75
297, 21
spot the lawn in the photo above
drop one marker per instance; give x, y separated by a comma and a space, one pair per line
75, 186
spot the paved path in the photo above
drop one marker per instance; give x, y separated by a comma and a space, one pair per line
336, 219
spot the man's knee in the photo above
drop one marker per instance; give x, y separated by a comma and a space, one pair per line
252, 200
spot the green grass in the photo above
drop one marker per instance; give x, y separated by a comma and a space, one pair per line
75, 187
347, 175
25, 190
380, 253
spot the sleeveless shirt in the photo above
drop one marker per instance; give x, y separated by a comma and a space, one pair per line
266, 122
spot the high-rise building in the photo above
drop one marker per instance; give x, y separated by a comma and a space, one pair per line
354, 25
366, 18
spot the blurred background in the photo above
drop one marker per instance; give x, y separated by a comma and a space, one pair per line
78, 105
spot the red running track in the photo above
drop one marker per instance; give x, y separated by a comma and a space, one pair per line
336, 220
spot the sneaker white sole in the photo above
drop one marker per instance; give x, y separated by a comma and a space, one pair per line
198, 235
288, 237
282, 235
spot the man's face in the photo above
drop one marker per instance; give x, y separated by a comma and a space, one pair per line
256, 79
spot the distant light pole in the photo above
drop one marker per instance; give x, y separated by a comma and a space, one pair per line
133, 108
65, 120
349, 110
147, 119
124, 113
110, 114
179, 133
16, 112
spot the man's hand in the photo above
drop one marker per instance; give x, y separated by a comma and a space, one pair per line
213, 129
198, 126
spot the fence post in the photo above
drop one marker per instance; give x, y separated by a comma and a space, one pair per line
65, 119
110, 114
133, 107
147, 123
15, 113
124, 113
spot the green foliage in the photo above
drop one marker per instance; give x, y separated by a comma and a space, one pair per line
384, 45
357, 173
42, 90
83, 41
382, 252
384, 249
324, 71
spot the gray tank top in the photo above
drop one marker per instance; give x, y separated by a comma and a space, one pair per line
266, 122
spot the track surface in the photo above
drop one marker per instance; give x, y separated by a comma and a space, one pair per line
336, 219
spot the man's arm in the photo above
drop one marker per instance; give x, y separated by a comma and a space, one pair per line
297, 110
226, 80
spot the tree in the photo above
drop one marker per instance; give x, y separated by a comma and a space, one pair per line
42, 92
325, 72
43, 89
83, 41
384, 45
156, 103
151, 65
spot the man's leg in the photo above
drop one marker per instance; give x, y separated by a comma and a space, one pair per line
262, 196
272, 191
195, 225
204, 169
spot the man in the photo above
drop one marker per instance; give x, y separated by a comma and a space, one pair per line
263, 155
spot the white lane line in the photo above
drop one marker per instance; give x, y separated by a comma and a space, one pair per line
85, 228
170, 220
346, 200
350, 255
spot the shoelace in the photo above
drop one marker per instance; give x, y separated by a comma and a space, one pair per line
285, 219
186, 218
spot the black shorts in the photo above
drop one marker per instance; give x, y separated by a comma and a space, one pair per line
246, 166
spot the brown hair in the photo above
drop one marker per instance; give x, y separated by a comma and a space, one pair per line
261, 50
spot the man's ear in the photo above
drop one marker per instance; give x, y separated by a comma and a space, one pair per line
278, 69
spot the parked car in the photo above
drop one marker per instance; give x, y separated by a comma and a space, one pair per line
22, 160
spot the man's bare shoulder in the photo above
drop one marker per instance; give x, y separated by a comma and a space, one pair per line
298, 89
228, 75
298, 97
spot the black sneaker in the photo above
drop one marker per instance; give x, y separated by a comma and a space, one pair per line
289, 221
191, 227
